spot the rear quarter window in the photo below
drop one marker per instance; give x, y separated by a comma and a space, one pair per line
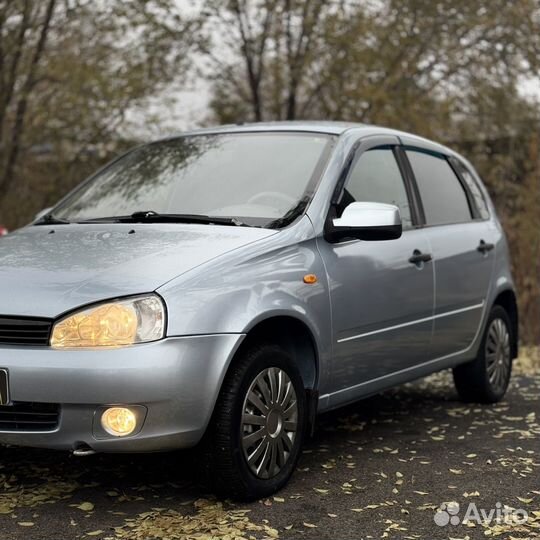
474, 188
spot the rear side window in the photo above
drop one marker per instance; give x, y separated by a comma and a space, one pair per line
443, 197
376, 177
474, 188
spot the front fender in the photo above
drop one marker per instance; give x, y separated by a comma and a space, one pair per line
235, 293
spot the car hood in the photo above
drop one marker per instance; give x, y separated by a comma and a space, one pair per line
46, 271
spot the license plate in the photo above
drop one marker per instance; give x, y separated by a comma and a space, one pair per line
4, 387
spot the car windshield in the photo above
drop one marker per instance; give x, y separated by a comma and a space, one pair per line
258, 179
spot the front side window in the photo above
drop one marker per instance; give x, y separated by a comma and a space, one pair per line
443, 197
375, 177
260, 179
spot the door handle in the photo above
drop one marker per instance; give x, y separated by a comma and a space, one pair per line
484, 247
419, 257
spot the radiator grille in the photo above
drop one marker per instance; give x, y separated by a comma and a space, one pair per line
29, 417
24, 331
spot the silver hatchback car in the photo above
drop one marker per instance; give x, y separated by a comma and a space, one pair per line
223, 287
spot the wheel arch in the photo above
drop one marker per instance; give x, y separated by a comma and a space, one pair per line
295, 337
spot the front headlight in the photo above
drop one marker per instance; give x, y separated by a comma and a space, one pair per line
112, 324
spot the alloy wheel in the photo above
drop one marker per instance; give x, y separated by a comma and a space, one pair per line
269, 422
498, 355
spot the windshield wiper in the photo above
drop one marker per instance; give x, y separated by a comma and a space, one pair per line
149, 216
49, 219
290, 216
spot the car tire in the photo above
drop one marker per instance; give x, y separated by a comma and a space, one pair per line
486, 379
255, 437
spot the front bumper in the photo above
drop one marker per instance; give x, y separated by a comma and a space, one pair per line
177, 380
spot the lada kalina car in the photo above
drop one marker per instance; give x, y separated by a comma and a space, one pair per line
223, 287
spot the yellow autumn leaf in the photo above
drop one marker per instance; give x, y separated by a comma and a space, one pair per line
85, 506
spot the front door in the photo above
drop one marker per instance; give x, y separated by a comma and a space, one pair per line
381, 292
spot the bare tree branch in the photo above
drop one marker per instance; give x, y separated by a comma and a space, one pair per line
22, 105
8, 82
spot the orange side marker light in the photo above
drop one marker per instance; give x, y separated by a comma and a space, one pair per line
310, 279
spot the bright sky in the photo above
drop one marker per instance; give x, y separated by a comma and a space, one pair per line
170, 112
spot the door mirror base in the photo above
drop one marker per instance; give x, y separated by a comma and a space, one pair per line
370, 234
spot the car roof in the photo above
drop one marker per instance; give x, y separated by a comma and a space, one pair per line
312, 126
317, 126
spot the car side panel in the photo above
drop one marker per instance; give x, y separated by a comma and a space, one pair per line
382, 307
495, 277
463, 278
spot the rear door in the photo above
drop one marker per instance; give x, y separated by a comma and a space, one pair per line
461, 241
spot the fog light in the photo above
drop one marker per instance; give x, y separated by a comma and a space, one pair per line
119, 421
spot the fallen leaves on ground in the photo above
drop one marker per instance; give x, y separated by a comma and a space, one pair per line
210, 521
390, 467
16, 495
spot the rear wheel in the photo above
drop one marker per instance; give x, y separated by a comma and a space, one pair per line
256, 434
486, 379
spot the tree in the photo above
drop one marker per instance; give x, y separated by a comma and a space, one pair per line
391, 62
260, 63
20, 58
70, 71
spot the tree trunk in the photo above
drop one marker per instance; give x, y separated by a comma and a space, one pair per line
291, 105
22, 105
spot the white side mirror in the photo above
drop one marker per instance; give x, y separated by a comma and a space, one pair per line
368, 221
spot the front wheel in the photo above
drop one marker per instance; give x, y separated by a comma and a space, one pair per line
486, 379
256, 433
